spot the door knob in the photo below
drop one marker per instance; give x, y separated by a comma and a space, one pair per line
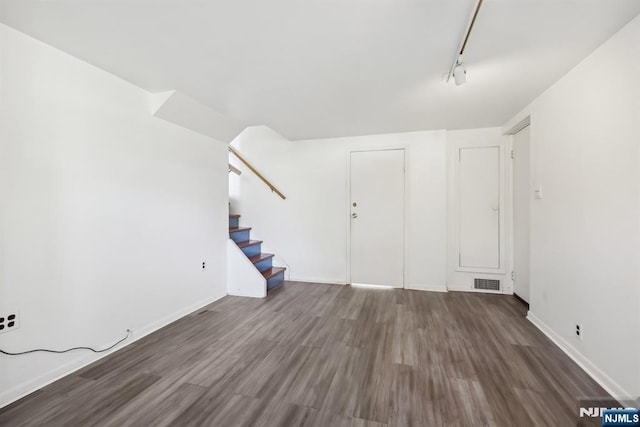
354, 215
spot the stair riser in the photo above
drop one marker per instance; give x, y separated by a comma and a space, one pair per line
275, 280
234, 222
240, 236
264, 265
254, 250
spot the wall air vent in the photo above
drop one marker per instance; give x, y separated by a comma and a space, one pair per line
486, 284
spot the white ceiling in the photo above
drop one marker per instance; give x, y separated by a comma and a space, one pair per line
323, 68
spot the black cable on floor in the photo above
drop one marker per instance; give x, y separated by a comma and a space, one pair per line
8, 353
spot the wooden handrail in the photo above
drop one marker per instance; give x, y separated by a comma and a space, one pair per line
258, 174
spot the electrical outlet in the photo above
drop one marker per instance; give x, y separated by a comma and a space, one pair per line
579, 331
9, 321
204, 265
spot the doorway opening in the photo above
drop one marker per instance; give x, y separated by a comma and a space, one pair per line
522, 193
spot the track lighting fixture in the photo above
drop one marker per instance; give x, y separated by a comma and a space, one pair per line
458, 70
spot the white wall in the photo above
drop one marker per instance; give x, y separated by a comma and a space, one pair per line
107, 212
309, 229
461, 279
243, 279
585, 231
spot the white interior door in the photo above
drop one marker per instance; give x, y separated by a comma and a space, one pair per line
377, 217
479, 244
521, 212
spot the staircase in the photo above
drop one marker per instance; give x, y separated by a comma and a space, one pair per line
253, 250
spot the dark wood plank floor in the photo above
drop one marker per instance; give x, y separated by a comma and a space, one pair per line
326, 355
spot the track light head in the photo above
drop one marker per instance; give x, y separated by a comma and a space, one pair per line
459, 72
457, 69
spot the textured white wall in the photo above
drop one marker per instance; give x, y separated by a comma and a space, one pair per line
107, 212
585, 231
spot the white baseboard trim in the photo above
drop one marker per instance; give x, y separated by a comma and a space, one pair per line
613, 388
466, 288
240, 293
427, 288
460, 288
316, 280
28, 387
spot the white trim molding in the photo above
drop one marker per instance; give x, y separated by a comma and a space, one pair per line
467, 288
427, 288
613, 388
33, 385
312, 280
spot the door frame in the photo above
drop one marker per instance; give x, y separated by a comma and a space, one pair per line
461, 279
405, 228
526, 122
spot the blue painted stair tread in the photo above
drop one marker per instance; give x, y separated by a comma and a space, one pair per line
262, 261
274, 276
240, 234
234, 221
250, 248
253, 250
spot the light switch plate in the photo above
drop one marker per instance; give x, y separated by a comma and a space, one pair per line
538, 192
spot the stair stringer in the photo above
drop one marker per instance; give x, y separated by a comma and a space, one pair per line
243, 279
278, 261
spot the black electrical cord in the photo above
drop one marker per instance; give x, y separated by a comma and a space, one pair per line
8, 353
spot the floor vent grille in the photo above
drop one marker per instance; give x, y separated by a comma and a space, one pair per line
486, 284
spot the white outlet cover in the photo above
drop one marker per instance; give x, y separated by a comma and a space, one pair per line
581, 331
538, 192
4, 324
